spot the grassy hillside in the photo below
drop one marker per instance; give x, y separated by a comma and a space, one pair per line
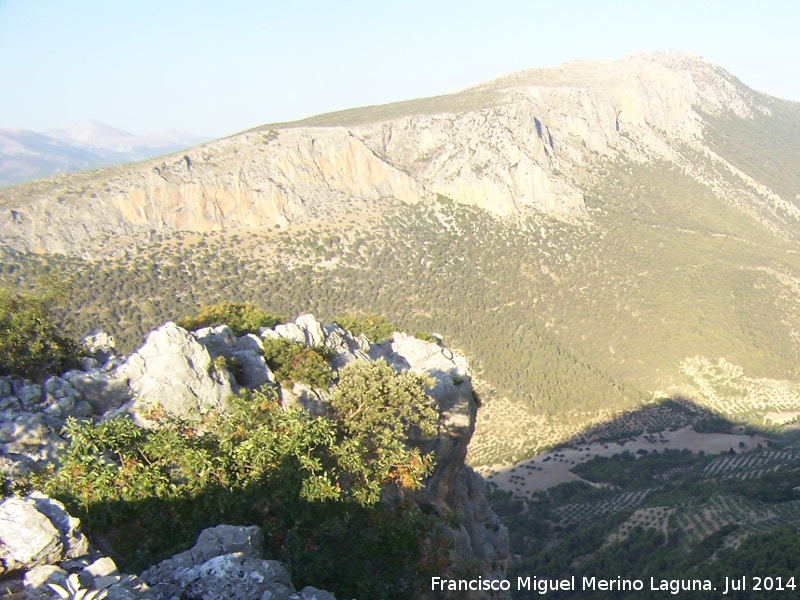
452, 103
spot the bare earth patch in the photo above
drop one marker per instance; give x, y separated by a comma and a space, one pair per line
553, 468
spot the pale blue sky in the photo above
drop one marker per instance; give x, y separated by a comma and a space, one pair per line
213, 68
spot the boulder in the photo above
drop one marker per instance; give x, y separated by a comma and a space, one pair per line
212, 542
344, 346
174, 370
100, 346
250, 342
291, 332
268, 333
247, 351
254, 371
37, 531
30, 394
312, 330
88, 363
35, 581
28, 539
312, 593
103, 391
28, 439
128, 587
99, 574
219, 340
236, 577
305, 397
74, 542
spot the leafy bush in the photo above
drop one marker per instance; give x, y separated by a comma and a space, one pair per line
312, 483
376, 410
293, 362
425, 337
231, 364
30, 343
375, 327
241, 318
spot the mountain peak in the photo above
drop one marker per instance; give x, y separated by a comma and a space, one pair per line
87, 133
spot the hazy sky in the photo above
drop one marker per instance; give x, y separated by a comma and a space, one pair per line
214, 68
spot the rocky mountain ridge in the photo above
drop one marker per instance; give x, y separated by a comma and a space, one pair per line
530, 141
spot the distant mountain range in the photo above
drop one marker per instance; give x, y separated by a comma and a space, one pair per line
78, 146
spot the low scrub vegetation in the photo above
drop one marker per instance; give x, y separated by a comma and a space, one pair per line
312, 483
241, 318
376, 328
294, 362
31, 344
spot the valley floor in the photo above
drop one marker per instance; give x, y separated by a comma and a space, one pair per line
546, 470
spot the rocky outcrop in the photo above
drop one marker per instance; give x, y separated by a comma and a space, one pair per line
174, 370
224, 563
37, 531
180, 373
42, 550
453, 487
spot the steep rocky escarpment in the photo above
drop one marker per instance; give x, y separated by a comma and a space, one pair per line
524, 142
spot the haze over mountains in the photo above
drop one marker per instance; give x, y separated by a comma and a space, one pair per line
77, 146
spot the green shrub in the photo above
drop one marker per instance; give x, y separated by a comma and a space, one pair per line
376, 409
375, 327
311, 483
241, 318
30, 343
294, 362
425, 337
231, 364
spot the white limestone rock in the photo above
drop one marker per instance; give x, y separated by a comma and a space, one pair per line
173, 369
312, 330
305, 397
254, 370
291, 332
236, 577
36, 580
212, 542
74, 542
37, 531
219, 340
27, 439
100, 345
249, 342
452, 389
103, 390
345, 347
28, 538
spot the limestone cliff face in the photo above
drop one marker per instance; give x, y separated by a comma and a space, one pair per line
519, 143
